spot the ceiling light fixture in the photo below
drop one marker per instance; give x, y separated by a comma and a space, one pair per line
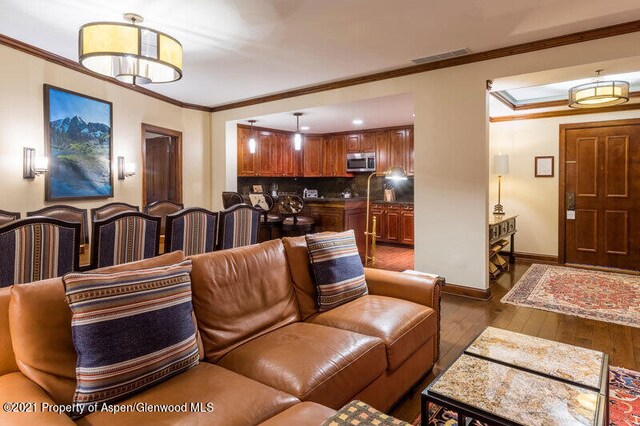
252, 139
357, 122
599, 93
297, 138
130, 53
304, 127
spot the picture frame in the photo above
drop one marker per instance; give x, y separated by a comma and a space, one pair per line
256, 188
78, 133
544, 166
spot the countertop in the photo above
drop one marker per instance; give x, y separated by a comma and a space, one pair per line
404, 203
333, 199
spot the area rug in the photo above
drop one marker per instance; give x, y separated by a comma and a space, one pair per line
602, 296
624, 402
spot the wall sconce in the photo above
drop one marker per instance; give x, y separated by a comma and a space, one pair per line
33, 166
125, 170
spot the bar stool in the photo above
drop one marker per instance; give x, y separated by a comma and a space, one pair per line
294, 224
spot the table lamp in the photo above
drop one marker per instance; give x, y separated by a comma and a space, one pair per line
395, 173
500, 166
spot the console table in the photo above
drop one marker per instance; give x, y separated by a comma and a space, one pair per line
501, 227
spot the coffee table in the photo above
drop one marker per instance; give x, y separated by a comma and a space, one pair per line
507, 378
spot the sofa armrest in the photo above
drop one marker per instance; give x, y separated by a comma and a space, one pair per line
424, 289
15, 388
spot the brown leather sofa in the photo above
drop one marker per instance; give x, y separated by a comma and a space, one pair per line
267, 355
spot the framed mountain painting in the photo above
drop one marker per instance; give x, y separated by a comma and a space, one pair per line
78, 132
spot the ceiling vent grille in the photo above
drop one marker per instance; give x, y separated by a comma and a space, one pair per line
441, 56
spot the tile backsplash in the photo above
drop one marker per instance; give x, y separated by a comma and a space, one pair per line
330, 187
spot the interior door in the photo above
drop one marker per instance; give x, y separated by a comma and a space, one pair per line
161, 164
602, 194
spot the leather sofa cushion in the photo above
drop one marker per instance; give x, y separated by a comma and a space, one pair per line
7, 357
240, 294
304, 414
236, 400
312, 362
40, 322
403, 326
298, 257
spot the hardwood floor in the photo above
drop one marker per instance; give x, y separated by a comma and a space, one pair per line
463, 319
394, 257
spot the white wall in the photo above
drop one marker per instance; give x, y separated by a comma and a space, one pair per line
451, 148
22, 125
535, 200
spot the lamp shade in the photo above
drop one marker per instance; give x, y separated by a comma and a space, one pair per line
599, 94
396, 173
130, 53
500, 164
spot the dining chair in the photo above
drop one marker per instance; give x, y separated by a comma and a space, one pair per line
123, 238
230, 199
191, 230
162, 209
238, 226
110, 209
68, 214
38, 248
8, 217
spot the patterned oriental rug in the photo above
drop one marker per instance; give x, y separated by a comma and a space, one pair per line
601, 296
624, 402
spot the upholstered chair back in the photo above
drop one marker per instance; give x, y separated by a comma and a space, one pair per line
230, 199
38, 248
8, 217
162, 209
68, 214
238, 226
191, 230
110, 209
125, 237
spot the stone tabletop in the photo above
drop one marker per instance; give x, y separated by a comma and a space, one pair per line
577, 365
516, 395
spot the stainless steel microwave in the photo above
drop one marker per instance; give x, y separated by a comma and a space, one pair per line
361, 162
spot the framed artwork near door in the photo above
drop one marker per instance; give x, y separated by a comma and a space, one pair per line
161, 164
78, 140
544, 166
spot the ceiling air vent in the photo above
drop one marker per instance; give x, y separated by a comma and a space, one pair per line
441, 56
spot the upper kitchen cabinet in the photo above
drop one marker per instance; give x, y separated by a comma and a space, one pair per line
291, 159
353, 142
399, 150
368, 142
247, 161
335, 156
382, 152
409, 151
312, 158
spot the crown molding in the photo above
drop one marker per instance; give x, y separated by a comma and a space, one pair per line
563, 40
565, 113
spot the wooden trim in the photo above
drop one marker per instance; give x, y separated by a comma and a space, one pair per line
499, 96
522, 257
68, 63
347, 132
563, 40
565, 113
562, 172
464, 291
177, 164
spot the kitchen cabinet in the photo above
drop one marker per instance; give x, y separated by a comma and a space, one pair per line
409, 149
334, 156
247, 161
368, 142
338, 216
397, 221
382, 152
267, 153
312, 156
353, 142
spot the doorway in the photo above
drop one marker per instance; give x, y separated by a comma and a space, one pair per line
161, 164
600, 194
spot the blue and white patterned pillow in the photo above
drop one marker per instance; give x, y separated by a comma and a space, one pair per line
337, 268
131, 330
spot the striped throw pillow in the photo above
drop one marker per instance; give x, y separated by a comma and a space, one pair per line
337, 268
131, 330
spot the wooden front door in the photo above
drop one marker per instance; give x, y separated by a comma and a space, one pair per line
600, 204
162, 165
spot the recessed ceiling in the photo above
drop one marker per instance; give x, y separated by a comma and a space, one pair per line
375, 113
236, 50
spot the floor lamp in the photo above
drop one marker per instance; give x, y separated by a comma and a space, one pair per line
392, 173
